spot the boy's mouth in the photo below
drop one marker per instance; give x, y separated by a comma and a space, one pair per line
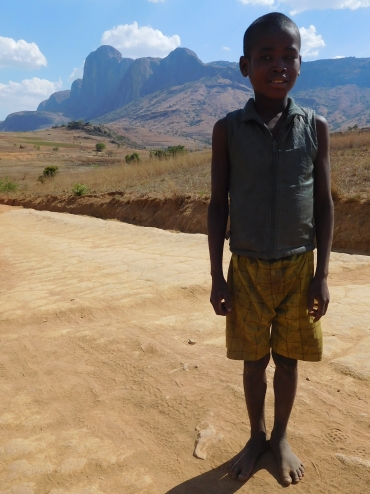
278, 81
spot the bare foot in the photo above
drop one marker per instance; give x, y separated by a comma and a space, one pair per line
242, 465
290, 466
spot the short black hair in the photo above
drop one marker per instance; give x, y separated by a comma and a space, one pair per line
274, 19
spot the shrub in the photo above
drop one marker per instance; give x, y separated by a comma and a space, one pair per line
100, 146
171, 151
132, 157
7, 185
56, 149
79, 189
50, 171
76, 124
110, 153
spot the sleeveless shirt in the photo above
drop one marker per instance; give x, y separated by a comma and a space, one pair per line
271, 183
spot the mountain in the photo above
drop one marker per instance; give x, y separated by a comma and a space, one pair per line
182, 96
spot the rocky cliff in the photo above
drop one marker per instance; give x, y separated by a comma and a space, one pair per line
115, 88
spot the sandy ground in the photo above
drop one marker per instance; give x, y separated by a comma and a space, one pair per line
101, 391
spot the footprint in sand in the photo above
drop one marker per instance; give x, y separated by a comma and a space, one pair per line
336, 435
206, 435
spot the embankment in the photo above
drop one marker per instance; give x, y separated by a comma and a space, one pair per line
188, 214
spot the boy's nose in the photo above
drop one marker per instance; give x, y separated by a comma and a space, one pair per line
280, 67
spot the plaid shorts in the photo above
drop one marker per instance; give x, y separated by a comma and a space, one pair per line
269, 309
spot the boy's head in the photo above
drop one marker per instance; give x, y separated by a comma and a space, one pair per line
268, 22
271, 55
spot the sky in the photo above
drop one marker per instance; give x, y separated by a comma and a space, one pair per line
43, 43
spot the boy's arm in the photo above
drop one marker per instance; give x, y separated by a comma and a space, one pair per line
324, 219
218, 212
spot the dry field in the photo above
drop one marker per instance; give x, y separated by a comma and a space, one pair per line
74, 153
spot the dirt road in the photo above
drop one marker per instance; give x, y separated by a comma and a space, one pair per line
102, 393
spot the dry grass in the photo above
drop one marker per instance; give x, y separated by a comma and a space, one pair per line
184, 174
350, 162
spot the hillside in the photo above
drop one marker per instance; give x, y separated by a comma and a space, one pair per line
180, 96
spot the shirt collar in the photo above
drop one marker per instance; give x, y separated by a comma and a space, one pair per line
249, 111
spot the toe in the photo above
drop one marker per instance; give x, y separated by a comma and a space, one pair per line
295, 477
285, 477
244, 476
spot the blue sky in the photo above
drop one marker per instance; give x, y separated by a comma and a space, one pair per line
43, 43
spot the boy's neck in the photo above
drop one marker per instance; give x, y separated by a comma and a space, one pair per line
269, 109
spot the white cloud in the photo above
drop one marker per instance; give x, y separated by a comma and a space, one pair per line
20, 54
25, 95
76, 73
302, 5
135, 42
156, 1
257, 2
311, 42
226, 48
339, 56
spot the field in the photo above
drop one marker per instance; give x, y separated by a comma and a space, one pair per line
25, 156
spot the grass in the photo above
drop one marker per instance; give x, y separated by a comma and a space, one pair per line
36, 142
350, 163
182, 174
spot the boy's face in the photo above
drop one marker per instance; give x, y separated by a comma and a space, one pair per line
274, 63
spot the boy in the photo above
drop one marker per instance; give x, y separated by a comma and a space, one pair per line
272, 159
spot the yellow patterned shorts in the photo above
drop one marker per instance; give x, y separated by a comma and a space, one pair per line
269, 309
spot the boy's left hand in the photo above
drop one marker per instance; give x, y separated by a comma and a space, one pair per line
318, 298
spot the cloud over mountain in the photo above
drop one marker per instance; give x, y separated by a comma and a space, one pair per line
311, 42
20, 54
25, 95
134, 41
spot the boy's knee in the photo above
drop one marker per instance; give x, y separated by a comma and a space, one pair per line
286, 364
252, 367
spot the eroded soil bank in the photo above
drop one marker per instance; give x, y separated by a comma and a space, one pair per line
188, 214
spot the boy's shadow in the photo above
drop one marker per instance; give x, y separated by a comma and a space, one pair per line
217, 481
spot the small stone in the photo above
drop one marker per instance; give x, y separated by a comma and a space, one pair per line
308, 379
191, 342
338, 390
185, 367
196, 366
72, 299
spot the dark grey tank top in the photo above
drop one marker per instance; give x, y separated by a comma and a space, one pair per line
271, 183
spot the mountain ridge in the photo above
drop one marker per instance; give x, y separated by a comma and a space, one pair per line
152, 91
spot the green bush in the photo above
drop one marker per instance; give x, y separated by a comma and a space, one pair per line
7, 185
76, 124
100, 146
50, 171
132, 157
163, 154
80, 189
56, 149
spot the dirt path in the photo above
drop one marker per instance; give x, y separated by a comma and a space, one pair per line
187, 214
101, 393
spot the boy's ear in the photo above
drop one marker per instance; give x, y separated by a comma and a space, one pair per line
244, 65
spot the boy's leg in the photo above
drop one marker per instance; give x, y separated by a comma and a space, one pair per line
285, 387
255, 384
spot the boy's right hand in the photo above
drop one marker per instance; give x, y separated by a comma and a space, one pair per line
220, 297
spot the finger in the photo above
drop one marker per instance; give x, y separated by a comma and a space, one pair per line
320, 310
311, 301
227, 301
217, 305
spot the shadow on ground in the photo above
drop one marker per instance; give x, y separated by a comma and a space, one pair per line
217, 480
